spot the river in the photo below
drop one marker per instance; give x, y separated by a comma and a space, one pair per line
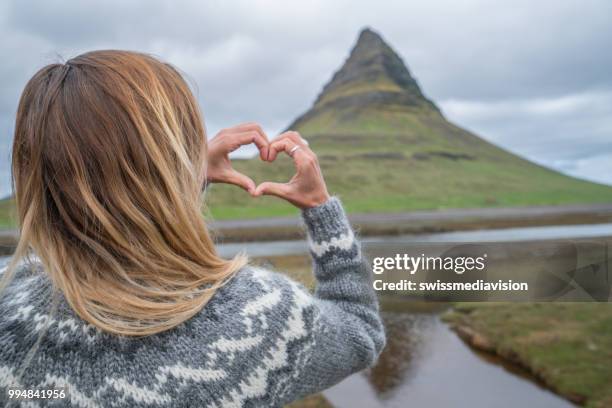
425, 364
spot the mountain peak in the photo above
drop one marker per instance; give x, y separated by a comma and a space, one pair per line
373, 72
369, 37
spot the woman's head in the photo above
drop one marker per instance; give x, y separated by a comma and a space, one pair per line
108, 164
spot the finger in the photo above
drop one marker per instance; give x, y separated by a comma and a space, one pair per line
240, 180
293, 136
297, 138
248, 126
261, 141
243, 127
299, 153
235, 140
276, 189
289, 135
287, 145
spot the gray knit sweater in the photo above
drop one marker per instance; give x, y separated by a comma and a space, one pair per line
262, 341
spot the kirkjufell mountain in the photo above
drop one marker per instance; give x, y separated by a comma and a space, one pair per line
384, 146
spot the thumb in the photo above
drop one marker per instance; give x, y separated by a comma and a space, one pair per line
241, 180
276, 189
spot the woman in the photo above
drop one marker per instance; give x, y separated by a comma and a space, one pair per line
116, 294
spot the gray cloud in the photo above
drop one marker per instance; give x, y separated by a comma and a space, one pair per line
531, 76
570, 133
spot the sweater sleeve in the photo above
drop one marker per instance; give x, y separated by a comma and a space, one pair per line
348, 333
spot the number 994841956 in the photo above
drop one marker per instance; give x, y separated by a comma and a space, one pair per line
35, 393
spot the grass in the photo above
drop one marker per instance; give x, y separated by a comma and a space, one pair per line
380, 83
567, 345
7, 214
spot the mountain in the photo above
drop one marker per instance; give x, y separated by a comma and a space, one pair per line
384, 146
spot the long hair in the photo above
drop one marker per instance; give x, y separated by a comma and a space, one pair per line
108, 163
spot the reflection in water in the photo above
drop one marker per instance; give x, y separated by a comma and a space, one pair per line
426, 365
403, 353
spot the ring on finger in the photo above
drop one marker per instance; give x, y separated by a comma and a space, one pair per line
293, 150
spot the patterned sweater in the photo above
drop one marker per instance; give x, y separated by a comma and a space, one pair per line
262, 340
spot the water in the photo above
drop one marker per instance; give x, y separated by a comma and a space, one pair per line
426, 365
278, 248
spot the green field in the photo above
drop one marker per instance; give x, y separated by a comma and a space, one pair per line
568, 346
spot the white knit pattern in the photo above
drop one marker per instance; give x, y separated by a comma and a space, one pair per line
255, 384
343, 242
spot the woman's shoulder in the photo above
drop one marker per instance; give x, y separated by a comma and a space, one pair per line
264, 277
256, 289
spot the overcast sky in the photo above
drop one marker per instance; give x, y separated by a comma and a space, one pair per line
533, 77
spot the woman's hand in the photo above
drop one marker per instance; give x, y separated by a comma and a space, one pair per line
306, 188
220, 168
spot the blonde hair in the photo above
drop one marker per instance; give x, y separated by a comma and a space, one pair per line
108, 164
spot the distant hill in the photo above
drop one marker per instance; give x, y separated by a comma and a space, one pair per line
384, 146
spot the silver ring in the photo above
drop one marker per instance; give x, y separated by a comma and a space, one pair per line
293, 150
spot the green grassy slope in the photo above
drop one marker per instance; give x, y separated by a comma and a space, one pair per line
396, 159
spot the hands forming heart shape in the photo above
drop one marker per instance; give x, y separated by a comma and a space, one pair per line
306, 188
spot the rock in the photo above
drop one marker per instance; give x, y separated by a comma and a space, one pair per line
473, 338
